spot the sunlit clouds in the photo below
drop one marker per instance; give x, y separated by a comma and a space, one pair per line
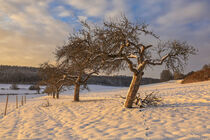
31, 30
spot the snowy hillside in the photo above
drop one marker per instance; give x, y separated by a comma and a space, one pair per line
184, 114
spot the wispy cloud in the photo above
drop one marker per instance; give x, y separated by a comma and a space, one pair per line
63, 12
90, 7
182, 13
99, 8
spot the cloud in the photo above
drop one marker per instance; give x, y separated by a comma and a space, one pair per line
90, 7
118, 7
63, 12
30, 30
187, 21
30, 33
183, 13
82, 18
98, 8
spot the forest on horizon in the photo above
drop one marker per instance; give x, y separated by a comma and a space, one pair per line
30, 75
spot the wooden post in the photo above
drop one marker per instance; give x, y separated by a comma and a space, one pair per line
25, 99
22, 101
16, 101
5, 112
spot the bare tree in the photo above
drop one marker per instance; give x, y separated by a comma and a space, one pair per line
54, 77
123, 43
81, 56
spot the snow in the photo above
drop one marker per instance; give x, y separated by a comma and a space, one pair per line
184, 114
22, 91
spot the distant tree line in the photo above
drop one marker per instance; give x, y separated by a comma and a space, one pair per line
30, 75
18, 74
118, 80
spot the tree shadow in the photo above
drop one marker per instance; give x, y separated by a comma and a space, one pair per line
184, 105
176, 105
94, 100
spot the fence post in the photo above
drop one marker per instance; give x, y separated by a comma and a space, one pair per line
16, 101
22, 101
25, 99
5, 111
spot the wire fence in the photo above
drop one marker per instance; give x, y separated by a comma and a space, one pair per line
9, 104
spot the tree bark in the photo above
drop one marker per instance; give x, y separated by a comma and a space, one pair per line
133, 89
57, 94
76, 92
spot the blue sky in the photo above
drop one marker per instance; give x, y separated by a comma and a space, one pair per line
30, 30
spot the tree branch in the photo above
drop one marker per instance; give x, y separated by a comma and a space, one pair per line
130, 64
132, 56
88, 76
160, 62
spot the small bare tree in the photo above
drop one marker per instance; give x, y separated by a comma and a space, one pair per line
123, 43
81, 56
54, 77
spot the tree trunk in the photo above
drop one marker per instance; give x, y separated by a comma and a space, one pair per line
57, 94
133, 89
53, 94
76, 92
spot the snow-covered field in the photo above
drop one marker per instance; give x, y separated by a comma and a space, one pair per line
184, 114
22, 91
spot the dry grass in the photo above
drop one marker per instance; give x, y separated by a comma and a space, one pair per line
46, 104
150, 99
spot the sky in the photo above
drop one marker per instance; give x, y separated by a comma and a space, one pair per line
30, 30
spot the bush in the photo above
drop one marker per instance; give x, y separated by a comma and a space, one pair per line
34, 87
165, 75
188, 74
206, 66
149, 100
14, 87
178, 75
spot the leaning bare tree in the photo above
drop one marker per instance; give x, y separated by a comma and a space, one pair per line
129, 44
81, 55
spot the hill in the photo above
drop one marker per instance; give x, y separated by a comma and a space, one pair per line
183, 114
198, 76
